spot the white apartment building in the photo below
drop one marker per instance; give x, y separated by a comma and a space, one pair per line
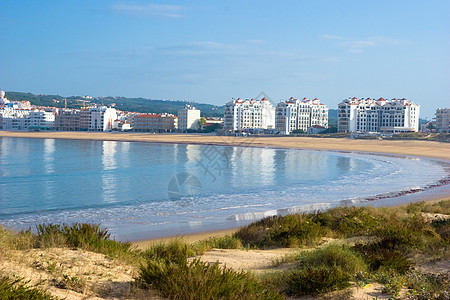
14, 119
249, 115
18, 115
40, 119
442, 123
97, 118
26, 119
295, 114
383, 116
188, 118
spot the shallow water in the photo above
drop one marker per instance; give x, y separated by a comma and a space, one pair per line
144, 190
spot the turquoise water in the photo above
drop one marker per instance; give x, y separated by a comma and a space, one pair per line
144, 190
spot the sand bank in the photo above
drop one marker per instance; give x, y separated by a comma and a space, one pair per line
189, 238
430, 149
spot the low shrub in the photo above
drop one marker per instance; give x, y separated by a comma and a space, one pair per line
428, 286
16, 240
441, 207
81, 235
334, 255
442, 227
18, 289
384, 254
202, 280
349, 221
175, 251
225, 242
287, 231
316, 280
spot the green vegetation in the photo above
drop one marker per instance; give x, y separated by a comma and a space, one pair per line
225, 242
391, 240
438, 137
141, 105
168, 270
18, 289
323, 270
316, 280
86, 236
377, 245
202, 280
340, 256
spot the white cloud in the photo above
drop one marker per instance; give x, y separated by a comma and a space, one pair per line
149, 10
359, 45
332, 37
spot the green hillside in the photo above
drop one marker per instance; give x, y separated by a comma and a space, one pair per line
141, 105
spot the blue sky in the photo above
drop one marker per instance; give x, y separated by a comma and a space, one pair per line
212, 51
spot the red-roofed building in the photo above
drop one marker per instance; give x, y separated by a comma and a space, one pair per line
382, 116
246, 115
294, 114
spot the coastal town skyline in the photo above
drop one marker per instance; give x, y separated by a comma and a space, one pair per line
210, 53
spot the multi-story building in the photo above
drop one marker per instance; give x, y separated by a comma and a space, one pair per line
67, 120
442, 123
15, 119
155, 123
385, 116
188, 118
295, 114
242, 115
26, 119
97, 118
41, 120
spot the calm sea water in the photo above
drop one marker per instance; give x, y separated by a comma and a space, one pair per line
143, 190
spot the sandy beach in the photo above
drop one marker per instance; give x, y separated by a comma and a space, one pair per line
429, 149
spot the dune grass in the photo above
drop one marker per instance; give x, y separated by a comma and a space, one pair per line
202, 280
392, 237
20, 289
322, 270
308, 229
90, 237
168, 270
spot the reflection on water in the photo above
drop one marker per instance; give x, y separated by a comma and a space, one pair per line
48, 160
109, 151
125, 157
109, 177
49, 150
345, 164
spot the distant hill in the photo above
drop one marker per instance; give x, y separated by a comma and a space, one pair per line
141, 105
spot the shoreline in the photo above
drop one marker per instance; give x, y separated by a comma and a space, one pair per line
416, 148
202, 235
426, 149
